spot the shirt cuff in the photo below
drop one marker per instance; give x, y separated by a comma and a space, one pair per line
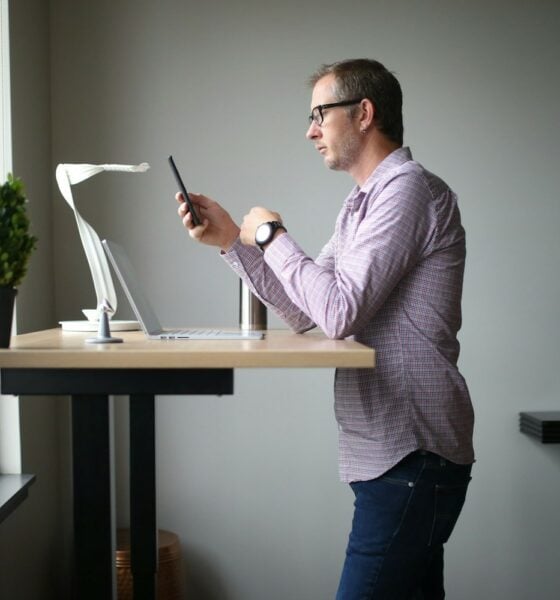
279, 250
241, 258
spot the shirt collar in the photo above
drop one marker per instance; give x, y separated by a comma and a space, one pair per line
397, 158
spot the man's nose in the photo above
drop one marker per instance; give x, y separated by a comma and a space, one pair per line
313, 131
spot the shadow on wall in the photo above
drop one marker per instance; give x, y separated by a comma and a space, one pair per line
202, 580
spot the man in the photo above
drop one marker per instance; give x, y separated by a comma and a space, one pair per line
390, 277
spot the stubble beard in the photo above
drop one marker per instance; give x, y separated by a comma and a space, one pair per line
346, 154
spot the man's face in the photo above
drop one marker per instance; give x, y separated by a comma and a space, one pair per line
337, 139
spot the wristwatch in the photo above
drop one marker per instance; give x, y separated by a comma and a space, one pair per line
265, 232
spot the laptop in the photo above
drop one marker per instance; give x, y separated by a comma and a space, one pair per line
145, 313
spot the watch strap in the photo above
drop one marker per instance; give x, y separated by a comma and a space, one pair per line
274, 227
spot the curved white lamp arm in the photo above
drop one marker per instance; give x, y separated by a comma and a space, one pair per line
68, 175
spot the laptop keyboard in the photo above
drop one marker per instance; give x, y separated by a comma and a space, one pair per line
205, 333
190, 332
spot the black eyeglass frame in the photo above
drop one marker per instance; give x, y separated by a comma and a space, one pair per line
321, 107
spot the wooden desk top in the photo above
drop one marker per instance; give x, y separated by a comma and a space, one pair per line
54, 348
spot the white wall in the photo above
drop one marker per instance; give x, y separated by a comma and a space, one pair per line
249, 482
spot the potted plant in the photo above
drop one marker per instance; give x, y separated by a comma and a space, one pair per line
16, 246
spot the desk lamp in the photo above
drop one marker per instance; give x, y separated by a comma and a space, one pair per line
66, 176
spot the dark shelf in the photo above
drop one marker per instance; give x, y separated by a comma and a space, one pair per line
13, 491
544, 425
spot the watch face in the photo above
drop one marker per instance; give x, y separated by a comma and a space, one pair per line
263, 232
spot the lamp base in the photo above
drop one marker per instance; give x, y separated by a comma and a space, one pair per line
104, 340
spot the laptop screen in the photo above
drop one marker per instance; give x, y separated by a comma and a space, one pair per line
129, 281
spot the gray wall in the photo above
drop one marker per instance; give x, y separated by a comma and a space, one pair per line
250, 482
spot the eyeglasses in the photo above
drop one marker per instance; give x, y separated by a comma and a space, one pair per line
317, 116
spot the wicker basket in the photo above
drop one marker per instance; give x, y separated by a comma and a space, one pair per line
170, 576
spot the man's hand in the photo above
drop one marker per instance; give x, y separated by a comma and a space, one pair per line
257, 216
217, 228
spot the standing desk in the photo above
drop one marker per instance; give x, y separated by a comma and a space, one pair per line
53, 362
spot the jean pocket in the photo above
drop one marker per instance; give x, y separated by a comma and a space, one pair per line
396, 481
448, 502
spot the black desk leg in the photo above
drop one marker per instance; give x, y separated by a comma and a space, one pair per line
143, 525
93, 528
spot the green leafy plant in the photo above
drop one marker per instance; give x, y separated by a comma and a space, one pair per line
16, 243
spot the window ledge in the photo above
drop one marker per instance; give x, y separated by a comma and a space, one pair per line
13, 491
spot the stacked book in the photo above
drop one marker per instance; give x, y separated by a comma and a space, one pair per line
544, 425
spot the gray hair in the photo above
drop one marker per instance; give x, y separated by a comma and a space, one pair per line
365, 78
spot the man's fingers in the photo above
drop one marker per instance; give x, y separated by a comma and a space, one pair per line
201, 200
197, 232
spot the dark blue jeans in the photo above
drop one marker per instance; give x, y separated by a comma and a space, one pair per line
401, 521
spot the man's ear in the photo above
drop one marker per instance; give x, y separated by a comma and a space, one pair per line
367, 114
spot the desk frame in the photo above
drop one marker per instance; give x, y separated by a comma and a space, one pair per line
94, 528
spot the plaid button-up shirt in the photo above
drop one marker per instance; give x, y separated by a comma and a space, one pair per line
390, 277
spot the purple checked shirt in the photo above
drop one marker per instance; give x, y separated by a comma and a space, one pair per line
390, 277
